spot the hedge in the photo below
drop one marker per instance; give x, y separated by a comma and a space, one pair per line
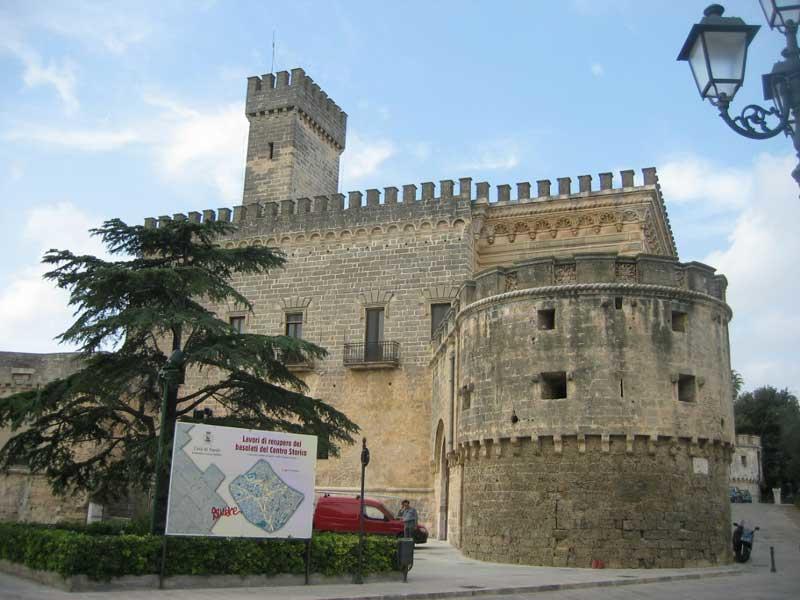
113, 552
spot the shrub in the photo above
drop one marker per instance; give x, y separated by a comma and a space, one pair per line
102, 551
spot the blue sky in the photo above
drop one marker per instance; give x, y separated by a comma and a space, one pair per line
114, 109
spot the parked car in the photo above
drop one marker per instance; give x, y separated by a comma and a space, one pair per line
740, 495
340, 513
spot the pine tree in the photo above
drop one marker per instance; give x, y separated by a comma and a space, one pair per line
96, 430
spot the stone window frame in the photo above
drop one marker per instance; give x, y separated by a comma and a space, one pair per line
538, 384
295, 305
699, 382
374, 299
240, 314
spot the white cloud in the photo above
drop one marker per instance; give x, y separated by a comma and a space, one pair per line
60, 75
110, 25
598, 70
187, 144
206, 146
500, 155
364, 157
759, 261
89, 140
33, 311
691, 179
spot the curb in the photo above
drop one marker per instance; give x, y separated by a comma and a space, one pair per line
532, 589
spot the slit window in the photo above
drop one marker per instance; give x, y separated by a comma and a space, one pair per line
554, 385
621, 389
546, 318
237, 324
686, 388
679, 320
271, 150
744, 461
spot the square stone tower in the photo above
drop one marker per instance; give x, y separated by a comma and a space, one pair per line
296, 137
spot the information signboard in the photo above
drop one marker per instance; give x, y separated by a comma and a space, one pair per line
232, 482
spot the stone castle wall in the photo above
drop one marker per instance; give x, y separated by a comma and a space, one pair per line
640, 346
25, 496
745, 469
646, 506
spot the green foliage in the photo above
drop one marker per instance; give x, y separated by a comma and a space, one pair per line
775, 416
101, 555
95, 430
737, 381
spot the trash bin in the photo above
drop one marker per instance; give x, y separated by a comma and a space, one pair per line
405, 555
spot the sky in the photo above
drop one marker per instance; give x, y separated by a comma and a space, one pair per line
136, 109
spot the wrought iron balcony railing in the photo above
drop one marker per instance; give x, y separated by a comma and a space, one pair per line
372, 354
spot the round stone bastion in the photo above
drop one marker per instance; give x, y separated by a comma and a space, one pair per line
594, 413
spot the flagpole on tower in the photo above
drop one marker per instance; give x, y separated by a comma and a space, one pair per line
272, 68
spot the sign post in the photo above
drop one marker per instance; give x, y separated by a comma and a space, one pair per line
364, 462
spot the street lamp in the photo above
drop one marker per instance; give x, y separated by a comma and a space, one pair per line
170, 375
716, 51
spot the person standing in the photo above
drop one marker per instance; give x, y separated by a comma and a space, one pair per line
409, 516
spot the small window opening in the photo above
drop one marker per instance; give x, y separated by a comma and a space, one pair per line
554, 385
621, 389
686, 388
466, 397
438, 313
744, 460
679, 320
271, 150
546, 318
618, 302
237, 324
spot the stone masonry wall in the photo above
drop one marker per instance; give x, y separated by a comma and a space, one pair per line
403, 259
25, 496
664, 506
745, 471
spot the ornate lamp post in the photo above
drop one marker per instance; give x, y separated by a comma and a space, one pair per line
716, 51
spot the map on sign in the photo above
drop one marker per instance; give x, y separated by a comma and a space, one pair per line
235, 482
264, 498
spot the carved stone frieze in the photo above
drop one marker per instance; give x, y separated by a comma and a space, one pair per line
565, 274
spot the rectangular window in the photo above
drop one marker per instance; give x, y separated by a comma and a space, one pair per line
744, 460
237, 324
679, 321
546, 318
438, 313
373, 338
294, 325
554, 385
686, 388
618, 302
271, 150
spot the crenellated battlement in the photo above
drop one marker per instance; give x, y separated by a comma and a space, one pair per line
283, 91
412, 201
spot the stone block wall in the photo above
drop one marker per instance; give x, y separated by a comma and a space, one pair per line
25, 496
640, 507
745, 470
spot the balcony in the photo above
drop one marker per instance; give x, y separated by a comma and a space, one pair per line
372, 355
295, 362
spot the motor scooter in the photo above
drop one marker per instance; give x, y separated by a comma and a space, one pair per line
743, 541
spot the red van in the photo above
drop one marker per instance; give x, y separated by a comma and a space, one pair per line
340, 513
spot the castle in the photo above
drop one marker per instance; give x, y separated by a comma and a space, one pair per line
536, 371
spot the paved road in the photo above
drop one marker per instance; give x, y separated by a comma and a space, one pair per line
780, 528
